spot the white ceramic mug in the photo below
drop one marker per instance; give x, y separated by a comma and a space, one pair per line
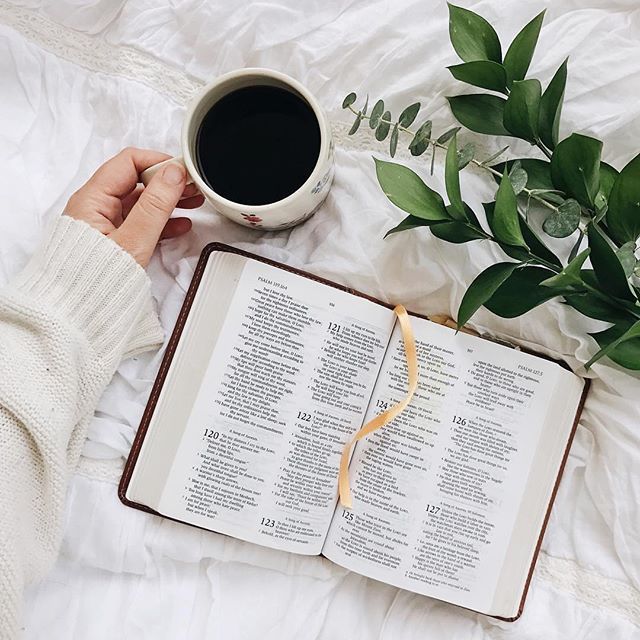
292, 210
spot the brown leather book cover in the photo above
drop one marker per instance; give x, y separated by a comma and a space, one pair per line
175, 339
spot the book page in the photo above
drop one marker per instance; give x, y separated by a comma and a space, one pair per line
288, 382
437, 491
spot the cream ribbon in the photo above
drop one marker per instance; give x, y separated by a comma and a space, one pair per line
386, 416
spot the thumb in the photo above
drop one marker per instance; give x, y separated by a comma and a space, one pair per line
142, 228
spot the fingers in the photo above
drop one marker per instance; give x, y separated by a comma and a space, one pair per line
190, 199
190, 190
141, 230
119, 175
175, 227
191, 203
129, 201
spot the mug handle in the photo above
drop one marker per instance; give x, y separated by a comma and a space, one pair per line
147, 174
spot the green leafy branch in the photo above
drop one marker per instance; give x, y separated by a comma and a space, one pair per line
421, 140
585, 197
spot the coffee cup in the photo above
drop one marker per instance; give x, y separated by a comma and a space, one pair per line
258, 146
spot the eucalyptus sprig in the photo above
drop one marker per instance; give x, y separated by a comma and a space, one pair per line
585, 198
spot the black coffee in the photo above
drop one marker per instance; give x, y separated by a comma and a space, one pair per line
258, 145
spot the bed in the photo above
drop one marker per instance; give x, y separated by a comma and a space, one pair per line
83, 78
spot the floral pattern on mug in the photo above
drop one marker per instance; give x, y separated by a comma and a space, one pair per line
253, 220
322, 182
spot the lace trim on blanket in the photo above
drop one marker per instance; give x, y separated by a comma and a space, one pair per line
590, 588
97, 55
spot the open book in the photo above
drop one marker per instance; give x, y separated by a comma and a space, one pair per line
269, 373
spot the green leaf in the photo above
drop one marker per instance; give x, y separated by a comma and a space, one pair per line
349, 100
495, 156
571, 275
608, 177
538, 172
465, 155
410, 222
366, 105
606, 266
506, 220
519, 54
421, 139
625, 353
522, 109
623, 216
594, 307
480, 112
393, 141
483, 288
452, 180
536, 246
551, 107
517, 253
575, 167
356, 124
471, 216
408, 192
472, 36
627, 256
564, 221
456, 232
409, 115
383, 128
611, 343
376, 112
521, 292
447, 135
481, 73
554, 197
518, 177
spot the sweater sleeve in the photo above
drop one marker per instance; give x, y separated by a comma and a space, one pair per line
66, 321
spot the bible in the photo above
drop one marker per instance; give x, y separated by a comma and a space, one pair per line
268, 375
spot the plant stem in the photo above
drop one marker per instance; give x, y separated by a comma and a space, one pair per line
613, 301
543, 148
491, 170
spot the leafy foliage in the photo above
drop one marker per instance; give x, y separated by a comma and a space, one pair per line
480, 112
481, 73
472, 36
623, 216
519, 55
551, 107
522, 109
586, 201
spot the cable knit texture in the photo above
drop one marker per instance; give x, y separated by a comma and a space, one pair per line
66, 321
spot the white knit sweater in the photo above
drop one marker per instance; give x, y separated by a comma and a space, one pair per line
79, 307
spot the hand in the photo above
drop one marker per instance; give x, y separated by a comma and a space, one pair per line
133, 216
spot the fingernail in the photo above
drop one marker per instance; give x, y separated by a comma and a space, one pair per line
173, 174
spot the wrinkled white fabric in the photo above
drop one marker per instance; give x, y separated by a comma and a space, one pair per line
81, 79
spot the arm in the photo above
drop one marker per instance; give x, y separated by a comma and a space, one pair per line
80, 306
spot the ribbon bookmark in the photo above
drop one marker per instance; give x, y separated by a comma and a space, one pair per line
386, 416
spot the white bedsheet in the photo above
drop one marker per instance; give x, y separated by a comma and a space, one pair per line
82, 78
